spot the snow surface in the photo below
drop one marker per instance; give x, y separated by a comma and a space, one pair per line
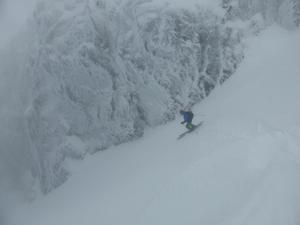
241, 167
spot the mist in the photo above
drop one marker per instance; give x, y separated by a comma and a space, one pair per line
15, 162
13, 17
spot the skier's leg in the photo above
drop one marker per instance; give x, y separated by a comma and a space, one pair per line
189, 126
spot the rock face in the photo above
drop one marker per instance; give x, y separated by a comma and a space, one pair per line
99, 72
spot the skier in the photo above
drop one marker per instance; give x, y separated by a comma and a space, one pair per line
188, 117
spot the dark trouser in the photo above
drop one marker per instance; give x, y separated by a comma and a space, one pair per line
189, 124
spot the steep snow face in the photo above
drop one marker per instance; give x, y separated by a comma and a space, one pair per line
102, 71
242, 167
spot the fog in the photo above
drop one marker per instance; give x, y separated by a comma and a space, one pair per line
14, 158
13, 15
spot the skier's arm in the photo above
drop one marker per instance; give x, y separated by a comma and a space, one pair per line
183, 122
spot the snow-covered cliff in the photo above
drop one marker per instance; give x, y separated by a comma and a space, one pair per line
93, 73
103, 71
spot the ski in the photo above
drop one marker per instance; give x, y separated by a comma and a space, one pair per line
190, 131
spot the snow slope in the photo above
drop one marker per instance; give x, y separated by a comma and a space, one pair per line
241, 167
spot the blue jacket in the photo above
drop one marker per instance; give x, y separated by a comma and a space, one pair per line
187, 116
